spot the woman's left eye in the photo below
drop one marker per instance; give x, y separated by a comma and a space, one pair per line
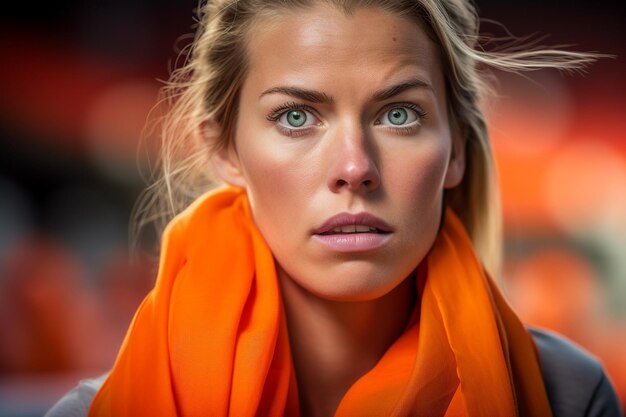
399, 116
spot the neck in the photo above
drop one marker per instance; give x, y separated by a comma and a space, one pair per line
334, 343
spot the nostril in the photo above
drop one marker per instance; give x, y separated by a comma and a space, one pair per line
366, 184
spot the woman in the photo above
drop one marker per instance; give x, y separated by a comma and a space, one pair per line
336, 273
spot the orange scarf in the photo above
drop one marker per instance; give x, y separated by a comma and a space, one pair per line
210, 339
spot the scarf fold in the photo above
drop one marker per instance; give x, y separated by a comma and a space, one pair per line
210, 339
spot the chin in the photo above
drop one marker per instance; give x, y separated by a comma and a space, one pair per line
351, 282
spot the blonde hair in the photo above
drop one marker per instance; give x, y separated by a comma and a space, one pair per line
206, 87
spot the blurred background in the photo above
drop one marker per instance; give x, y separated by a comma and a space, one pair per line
77, 80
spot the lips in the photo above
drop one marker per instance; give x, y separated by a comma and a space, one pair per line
347, 223
353, 234
351, 229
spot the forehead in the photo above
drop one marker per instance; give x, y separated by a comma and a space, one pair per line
324, 45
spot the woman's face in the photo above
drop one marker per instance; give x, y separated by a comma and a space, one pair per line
344, 146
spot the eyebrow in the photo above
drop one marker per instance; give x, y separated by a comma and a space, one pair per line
314, 96
394, 90
301, 93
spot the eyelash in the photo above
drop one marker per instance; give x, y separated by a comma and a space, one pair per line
421, 114
278, 111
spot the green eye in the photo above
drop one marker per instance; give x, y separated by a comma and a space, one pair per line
398, 116
296, 118
401, 116
293, 118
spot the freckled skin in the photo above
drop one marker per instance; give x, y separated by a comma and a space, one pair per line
347, 161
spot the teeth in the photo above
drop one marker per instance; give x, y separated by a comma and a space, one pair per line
354, 229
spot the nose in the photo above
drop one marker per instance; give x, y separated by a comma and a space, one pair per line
354, 165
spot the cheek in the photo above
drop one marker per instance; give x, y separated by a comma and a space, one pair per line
415, 179
278, 183
415, 190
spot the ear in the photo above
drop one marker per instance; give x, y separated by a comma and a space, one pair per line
225, 160
456, 164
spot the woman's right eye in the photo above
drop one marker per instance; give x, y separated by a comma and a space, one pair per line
293, 119
297, 118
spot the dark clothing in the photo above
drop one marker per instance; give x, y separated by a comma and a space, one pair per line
575, 381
